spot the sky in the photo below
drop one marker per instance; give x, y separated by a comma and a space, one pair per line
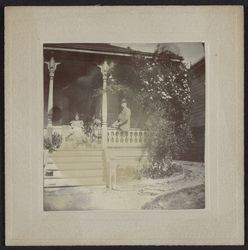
191, 52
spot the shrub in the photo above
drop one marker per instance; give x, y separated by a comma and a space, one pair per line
164, 92
162, 87
162, 169
55, 143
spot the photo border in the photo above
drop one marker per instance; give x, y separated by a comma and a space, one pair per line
10, 105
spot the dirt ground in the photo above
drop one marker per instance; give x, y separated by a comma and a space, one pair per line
184, 191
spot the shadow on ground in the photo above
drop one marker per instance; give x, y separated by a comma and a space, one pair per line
186, 198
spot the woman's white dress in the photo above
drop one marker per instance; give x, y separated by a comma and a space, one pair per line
77, 134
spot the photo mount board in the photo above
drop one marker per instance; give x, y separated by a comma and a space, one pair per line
220, 28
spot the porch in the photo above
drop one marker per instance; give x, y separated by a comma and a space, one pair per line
93, 161
94, 164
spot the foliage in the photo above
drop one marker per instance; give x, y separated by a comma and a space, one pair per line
165, 139
55, 143
164, 86
92, 128
161, 85
122, 81
166, 98
162, 169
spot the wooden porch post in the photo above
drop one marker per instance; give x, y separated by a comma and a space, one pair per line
52, 65
104, 69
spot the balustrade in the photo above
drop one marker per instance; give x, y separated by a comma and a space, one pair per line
133, 137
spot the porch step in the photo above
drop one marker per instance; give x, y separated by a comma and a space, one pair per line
74, 165
71, 147
67, 182
62, 174
85, 167
72, 153
75, 159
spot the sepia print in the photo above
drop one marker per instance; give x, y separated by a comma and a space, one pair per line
124, 126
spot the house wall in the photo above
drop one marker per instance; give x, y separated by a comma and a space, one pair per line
196, 150
198, 94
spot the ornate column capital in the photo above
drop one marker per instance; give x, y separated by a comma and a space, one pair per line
105, 67
52, 66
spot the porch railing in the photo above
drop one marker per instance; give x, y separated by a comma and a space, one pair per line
133, 137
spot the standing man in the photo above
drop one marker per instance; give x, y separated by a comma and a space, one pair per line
123, 122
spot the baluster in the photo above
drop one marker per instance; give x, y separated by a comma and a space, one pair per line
126, 137
116, 137
135, 136
131, 137
112, 137
121, 137
140, 137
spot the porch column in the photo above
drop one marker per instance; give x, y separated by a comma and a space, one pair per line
104, 69
52, 65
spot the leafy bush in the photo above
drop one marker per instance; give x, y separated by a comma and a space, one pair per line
162, 169
161, 85
55, 143
164, 92
165, 140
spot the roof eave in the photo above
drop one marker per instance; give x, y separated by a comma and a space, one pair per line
92, 51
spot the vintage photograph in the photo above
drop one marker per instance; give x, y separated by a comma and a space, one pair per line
124, 126
122, 119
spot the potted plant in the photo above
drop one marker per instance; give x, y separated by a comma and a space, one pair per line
51, 145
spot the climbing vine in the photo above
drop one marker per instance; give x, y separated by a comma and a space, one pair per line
161, 85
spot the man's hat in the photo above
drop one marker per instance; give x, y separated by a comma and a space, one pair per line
123, 100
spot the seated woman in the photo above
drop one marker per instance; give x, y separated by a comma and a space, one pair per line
96, 130
77, 134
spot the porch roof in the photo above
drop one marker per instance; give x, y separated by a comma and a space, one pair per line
100, 48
